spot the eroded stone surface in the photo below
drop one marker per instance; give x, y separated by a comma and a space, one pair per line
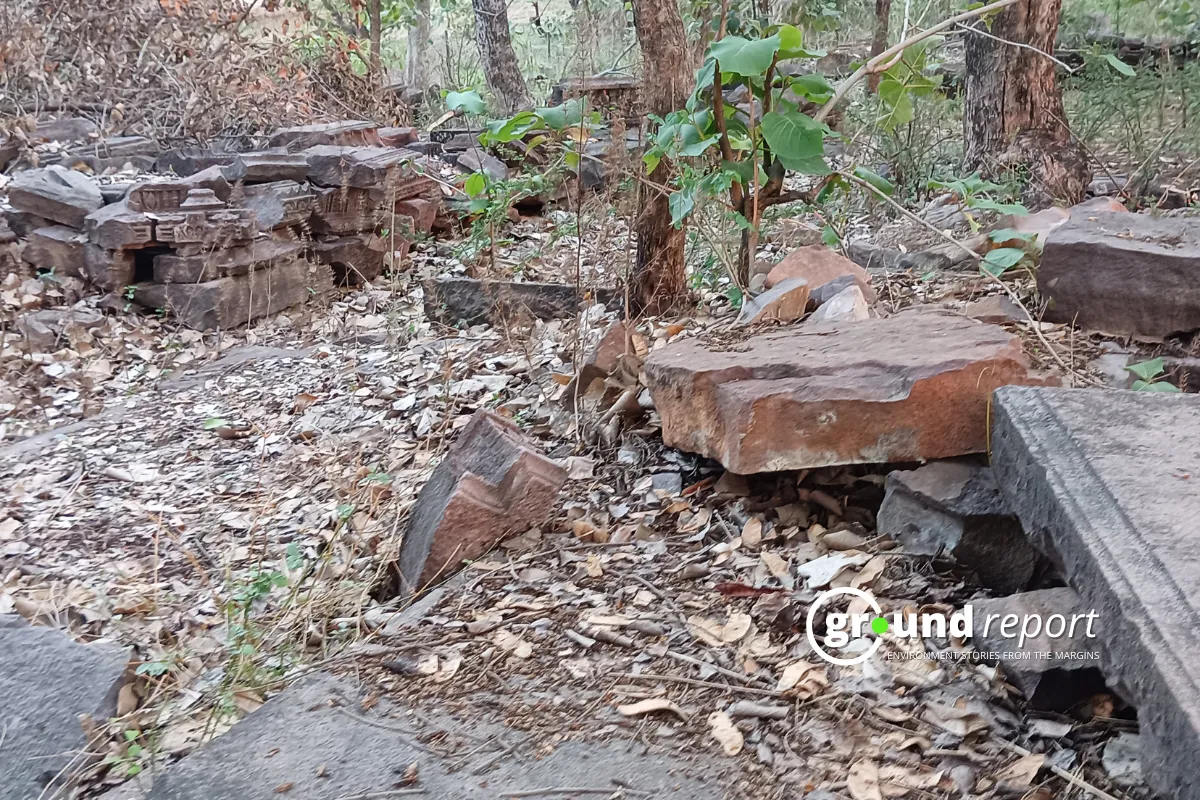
848, 305
313, 739
910, 387
1123, 273
954, 508
819, 265
47, 681
57, 248
353, 133
786, 301
1104, 480
492, 483
474, 301
355, 259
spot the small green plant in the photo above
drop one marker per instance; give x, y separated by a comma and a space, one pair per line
128, 762
1151, 377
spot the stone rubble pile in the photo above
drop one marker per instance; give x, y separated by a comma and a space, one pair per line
221, 238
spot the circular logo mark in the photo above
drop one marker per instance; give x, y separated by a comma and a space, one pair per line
878, 624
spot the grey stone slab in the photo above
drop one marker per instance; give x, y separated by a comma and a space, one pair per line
316, 737
1123, 273
1106, 482
266, 167
279, 204
351, 132
58, 194
472, 301
56, 248
47, 681
1052, 667
955, 508
116, 227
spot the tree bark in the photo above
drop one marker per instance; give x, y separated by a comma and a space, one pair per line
375, 11
883, 14
500, 66
1014, 114
659, 278
416, 76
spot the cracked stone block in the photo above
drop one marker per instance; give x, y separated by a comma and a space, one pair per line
491, 484
116, 227
398, 137
422, 210
819, 265
453, 300
345, 210
157, 197
346, 133
1103, 481
1049, 665
1123, 273
171, 267
185, 161
111, 270
786, 301
955, 508
848, 305
237, 299
362, 167
55, 193
48, 681
58, 249
266, 167
911, 387
279, 204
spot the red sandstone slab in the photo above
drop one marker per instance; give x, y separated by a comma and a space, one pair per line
910, 387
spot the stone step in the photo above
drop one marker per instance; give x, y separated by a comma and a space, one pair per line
910, 387
1105, 483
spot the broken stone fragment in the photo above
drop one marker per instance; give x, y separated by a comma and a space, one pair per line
355, 259
56, 249
603, 359
345, 133
996, 309
848, 305
111, 270
479, 160
266, 167
492, 483
910, 387
1122, 273
422, 211
66, 129
345, 210
824, 294
48, 682
819, 265
185, 161
362, 167
1102, 480
159, 197
871, 256
954, 508
55, 193
237, 299
397, 137
454, 300
1041, 639
786, 301
115, 227
44, 331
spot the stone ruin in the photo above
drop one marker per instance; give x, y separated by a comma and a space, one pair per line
221, 238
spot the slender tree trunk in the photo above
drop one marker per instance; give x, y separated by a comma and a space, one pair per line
374, 10
500, 65
883, 14
659, 279
1014, 114
416, 75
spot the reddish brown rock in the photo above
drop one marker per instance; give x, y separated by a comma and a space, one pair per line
996, 309
422, 210
355, 259
58, 249
910, 387
492, 484
397, 137
345, 210
111, 270
115, 227
819, 265
352, 133
156, 197
364, 168
171, 267
786, 301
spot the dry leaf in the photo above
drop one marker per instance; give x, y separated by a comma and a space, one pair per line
779, 569
127, 700
650, 706
955, 720
863, 780
1020, 773
802, 679
448, 668
725, 732
737, 627
752, 533
511, 643
706, 630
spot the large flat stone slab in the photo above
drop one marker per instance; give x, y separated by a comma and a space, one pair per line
47, 681
316, 741
54, 193
1105, 481
910, 387
472, 301
1123, 273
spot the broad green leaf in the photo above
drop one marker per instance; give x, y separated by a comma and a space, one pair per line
212, 423
1119, 65
560, 117
651, 159
1001, 259
513, 128
830, 237
681, 204
796, 139
834, 186
1155, 386
468, 101
697, 148
744, 170
791, 44
1147, 370
897, 113
985, 204
878, 181
475, 184
815, 87
478, 205
1008, 234
744, 57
